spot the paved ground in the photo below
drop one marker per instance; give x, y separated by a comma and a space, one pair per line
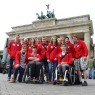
7, 88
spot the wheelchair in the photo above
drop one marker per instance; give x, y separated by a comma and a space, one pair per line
69, 74
25, 79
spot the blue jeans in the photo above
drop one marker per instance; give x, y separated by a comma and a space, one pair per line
10, 67
21, 72
52, 66
45, 64
91, 73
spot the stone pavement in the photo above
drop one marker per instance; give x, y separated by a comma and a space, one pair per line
7, 88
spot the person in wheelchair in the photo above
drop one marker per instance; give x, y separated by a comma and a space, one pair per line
64, 62
34, 64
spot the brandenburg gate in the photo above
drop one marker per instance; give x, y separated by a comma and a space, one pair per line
81, 25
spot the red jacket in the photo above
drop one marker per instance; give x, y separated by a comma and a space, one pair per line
70, 48
67, 58
31, 55
42, 50
30, 48
27, 45
13, 48
18, 57
81, 49
52, 52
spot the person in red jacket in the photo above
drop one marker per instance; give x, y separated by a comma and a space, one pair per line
19, 65
13, 47
62, 39
81, 53
59, 41
42, 50
52, 52
69, 46
38, 41
64, 61
32, 42
34, 63
26, 42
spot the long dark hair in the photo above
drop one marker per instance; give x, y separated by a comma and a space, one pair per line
51, 41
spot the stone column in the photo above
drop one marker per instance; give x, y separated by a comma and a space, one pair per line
87, 41
70, 37
21, 40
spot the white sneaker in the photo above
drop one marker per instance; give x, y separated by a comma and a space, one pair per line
8, 79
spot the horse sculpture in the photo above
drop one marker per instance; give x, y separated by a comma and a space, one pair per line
50, 14
40, 17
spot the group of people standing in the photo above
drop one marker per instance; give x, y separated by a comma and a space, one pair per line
91, 68
57, 51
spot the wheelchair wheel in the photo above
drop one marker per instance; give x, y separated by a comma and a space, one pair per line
24, 75
71, 76
41, 76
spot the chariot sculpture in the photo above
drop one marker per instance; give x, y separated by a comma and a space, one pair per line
50, 14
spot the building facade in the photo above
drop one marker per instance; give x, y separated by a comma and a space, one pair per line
81, 25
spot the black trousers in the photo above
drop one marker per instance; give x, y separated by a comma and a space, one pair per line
19, 70
33, 69
62, 68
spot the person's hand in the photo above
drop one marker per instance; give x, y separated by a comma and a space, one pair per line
55, 59
63, 62
9, 55
17, 66
73, 59
36, 60
48, 60
85, 58
24, 65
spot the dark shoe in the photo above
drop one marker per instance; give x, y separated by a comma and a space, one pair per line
50, 82
84, 84
90, 77
19, 81
65, 83
4, 71
54, 82
80, 83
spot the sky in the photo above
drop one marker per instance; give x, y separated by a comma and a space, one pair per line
21, 12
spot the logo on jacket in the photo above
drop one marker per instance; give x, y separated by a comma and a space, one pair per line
17, 44
13, 44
